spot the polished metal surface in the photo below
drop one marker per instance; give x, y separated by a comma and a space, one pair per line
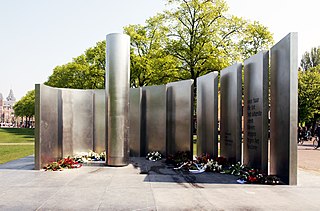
284, 109
99, 127
231, 112
207, 114
82, 112
135, 122
117, 88
76, 121
153, 121
47, 146
179, 116
255, 111
66, 122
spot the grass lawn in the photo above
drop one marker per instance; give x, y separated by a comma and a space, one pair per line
15, 143
13, 152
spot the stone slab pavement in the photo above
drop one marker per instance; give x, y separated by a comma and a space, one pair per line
146, 185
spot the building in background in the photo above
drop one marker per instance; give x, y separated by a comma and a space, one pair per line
7, 117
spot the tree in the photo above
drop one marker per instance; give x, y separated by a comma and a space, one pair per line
25, 106
255, 37
204, 38
149, 63
311, 59
86, 71
309, 96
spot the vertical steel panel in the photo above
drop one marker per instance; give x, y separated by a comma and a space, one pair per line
47, 147
135, 122
231, 112
255, 111
154, 119
179, 116
117, 87
99, 127
284, 109
207, 114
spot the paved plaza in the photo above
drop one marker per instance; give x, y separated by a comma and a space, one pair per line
147, 185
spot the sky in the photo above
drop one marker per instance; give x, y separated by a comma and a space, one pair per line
38, 35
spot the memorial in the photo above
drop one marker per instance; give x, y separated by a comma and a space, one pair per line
136, 121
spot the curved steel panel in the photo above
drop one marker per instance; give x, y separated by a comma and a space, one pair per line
179, 116
255, 111
47, 143
154, 117
207, 114
231, 112
284, 109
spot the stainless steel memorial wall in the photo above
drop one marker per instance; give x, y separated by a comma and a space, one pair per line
207, 114
284, 109
255, 111
231, 112
135, 122
117, 88
179, 116
154, 119
69, 121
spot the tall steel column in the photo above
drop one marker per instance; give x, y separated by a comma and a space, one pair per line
117, 89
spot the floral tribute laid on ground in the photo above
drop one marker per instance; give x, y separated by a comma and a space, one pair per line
204, 163
75, 161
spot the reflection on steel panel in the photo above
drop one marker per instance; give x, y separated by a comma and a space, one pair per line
231, 112
135, 122
284, 109
67, 121
117, 87
179, 116
255, 111
153, 123
207, 114
47, 147
82, 111
99, 141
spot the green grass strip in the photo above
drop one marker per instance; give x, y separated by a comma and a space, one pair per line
16, 135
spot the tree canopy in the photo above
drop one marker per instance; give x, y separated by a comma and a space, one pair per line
86, 71
188, 40
25, 106
205, 38
309, 95
150, 63
310, 59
